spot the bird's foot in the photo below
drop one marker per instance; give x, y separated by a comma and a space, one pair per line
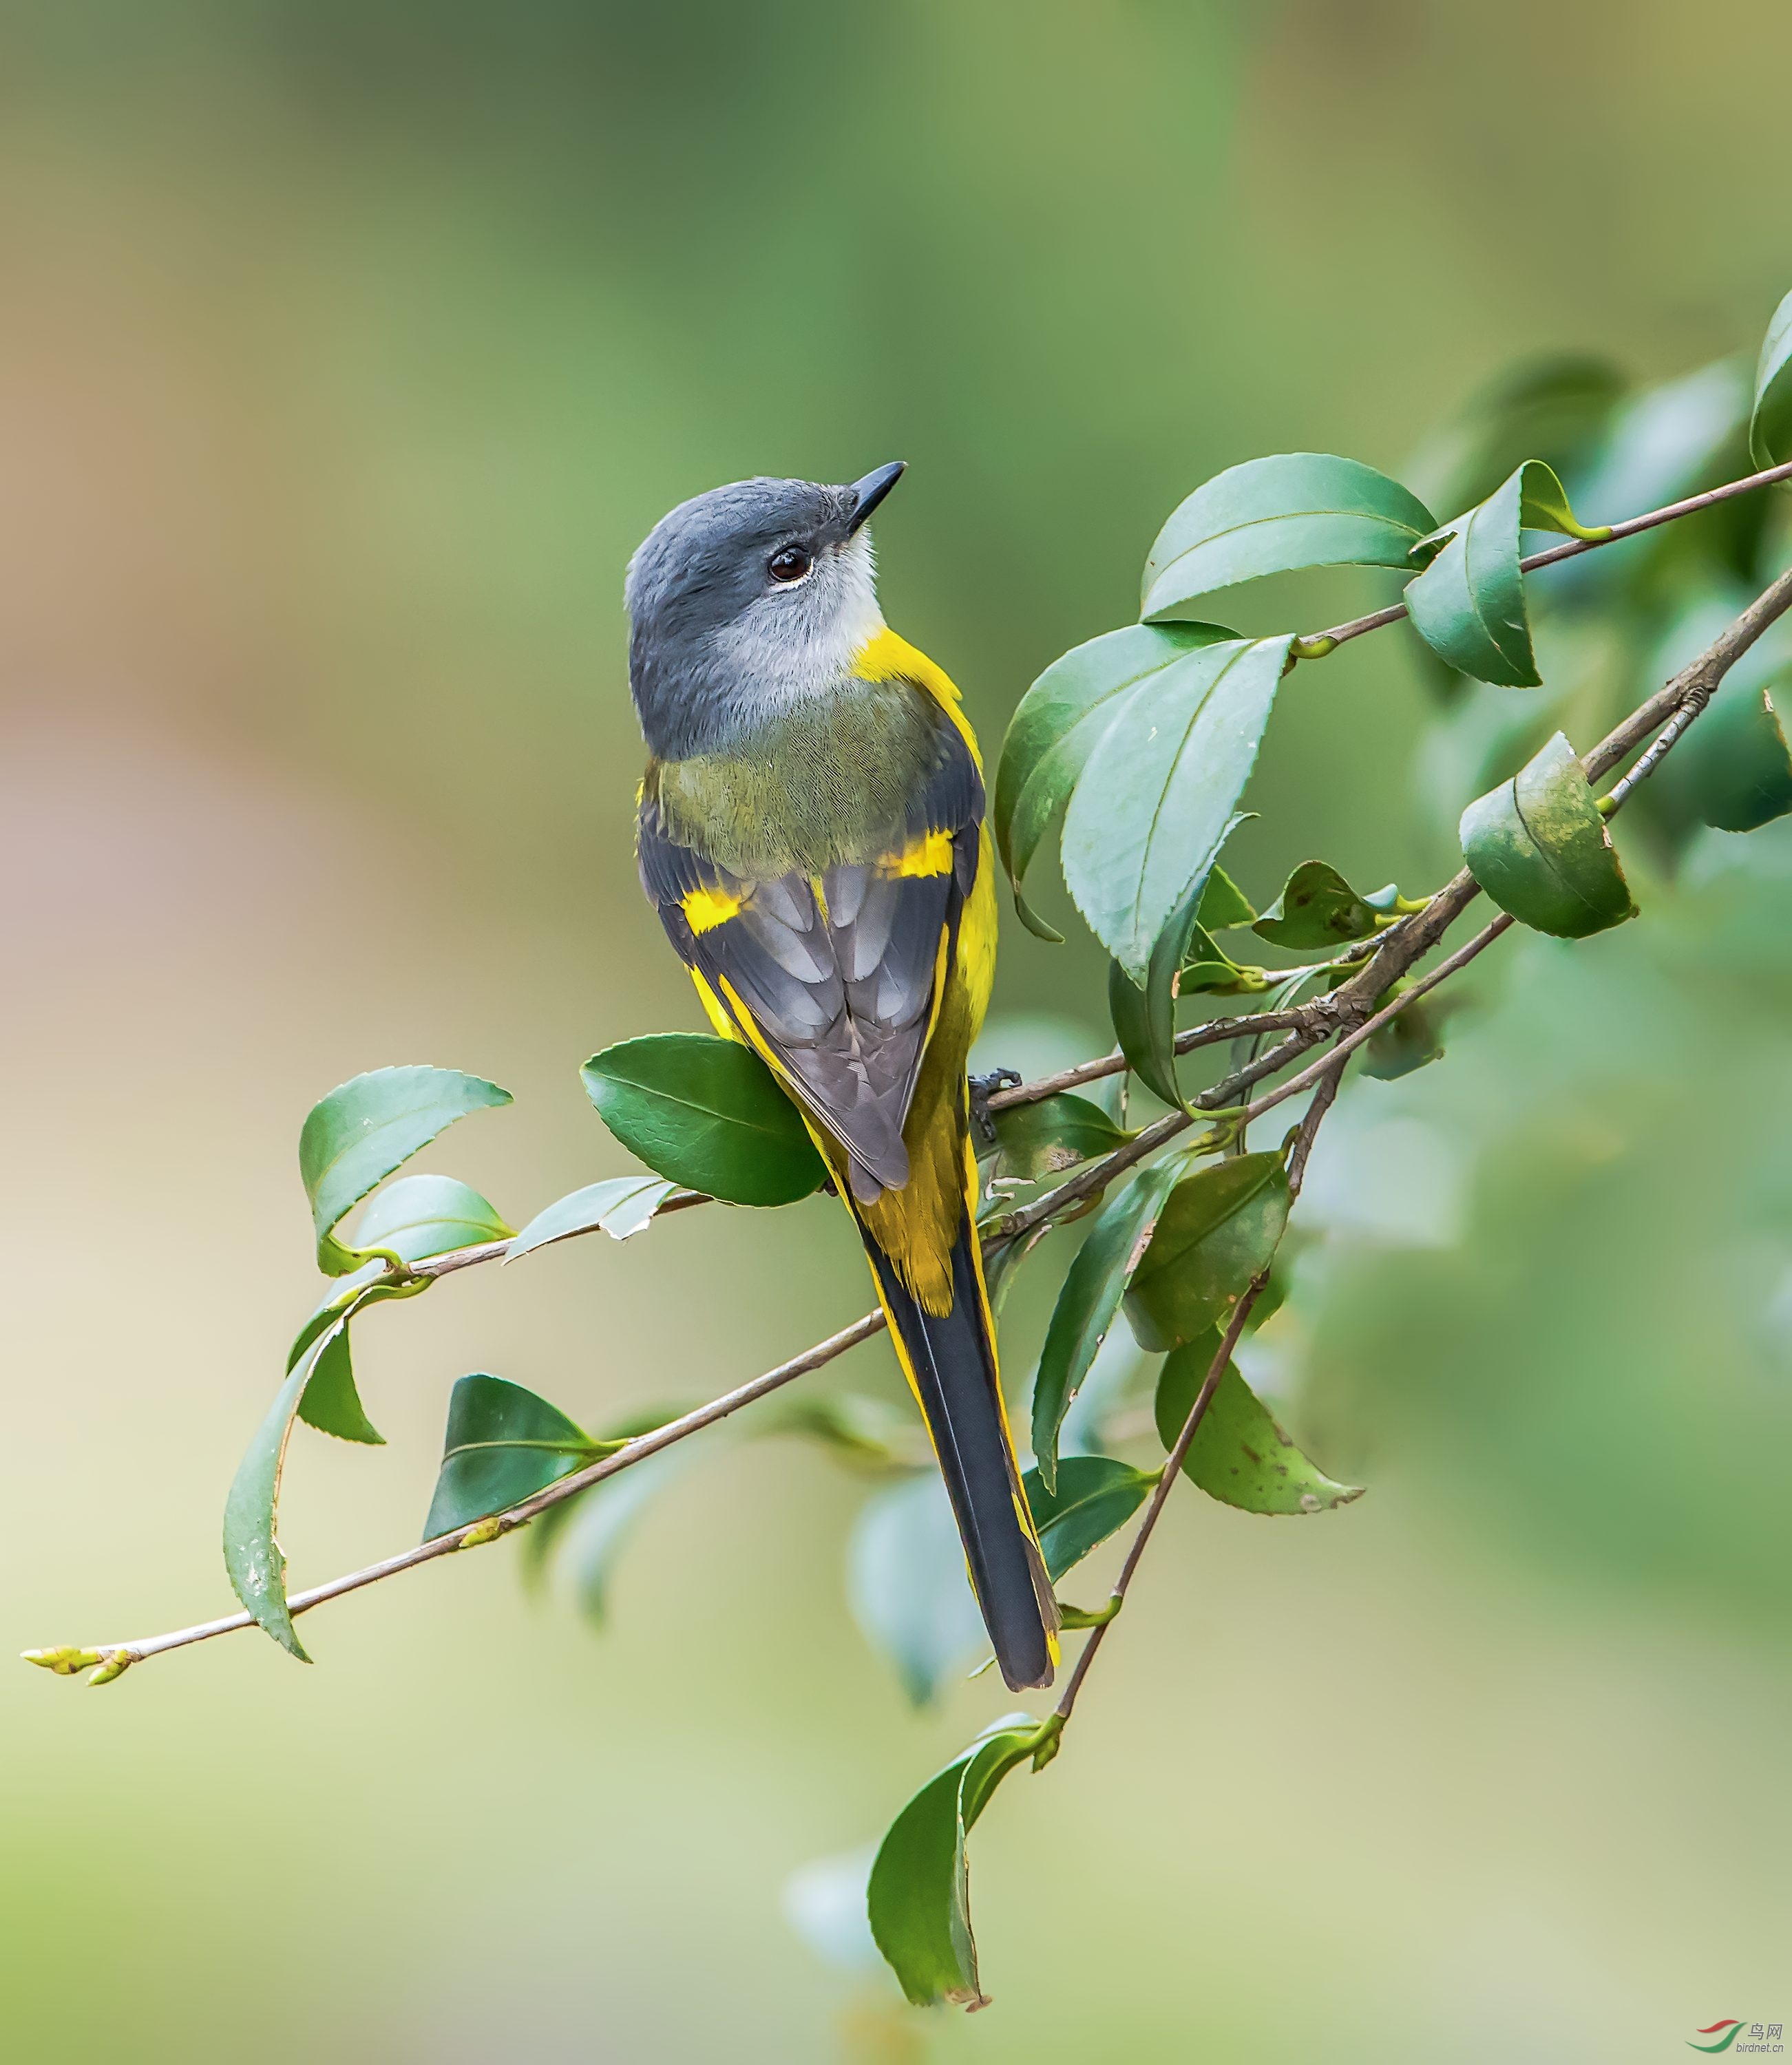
982, 1089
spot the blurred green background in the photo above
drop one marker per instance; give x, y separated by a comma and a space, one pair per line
348, 349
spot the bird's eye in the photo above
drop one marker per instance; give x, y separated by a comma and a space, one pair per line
790, 564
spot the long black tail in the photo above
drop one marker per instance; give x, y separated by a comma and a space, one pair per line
951, 1362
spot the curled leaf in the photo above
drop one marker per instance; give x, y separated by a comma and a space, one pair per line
1733, 767
919, 1894
1555, 405
331, 1402
1408, 1041
1539, 847
1223, 905
1317, 909
1145, 1015
1468, 605
365, 1129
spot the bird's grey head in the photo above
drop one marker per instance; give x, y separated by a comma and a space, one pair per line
746, 600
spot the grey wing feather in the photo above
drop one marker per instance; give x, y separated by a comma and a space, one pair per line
839, 986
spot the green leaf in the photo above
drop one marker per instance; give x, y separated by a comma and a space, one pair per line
919, 1894
1408, 1041
330, 1402
1771, 422
1273, 515
1544, 505
1662, 444
707, 1113
824, 1902
357, 1135
1159, 791
1145, 1018
1317, 907
1208, 970
543, 1534
419, 1216
1733, 768
1554, 406
1239, 1455
1095, 1494
1118, 1379
503, 1445
1002, 1260
619, 1205
1538, 846
1469, 605
602, 1519
1035, 1141
907, 1586
1093, 1288
869, 1435
251, 1553
1224, 904
1057, 724
1218, 1231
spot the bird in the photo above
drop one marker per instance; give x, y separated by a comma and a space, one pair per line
810, 829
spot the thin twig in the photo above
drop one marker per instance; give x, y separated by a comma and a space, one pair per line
1215, 1032
1301, 1147
1317, 1072
1681, 700
1694, 683
1377, 619
1346, 1011
1166, 1484
1324, 1096
512, 1517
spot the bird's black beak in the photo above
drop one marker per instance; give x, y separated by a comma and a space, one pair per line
871, 490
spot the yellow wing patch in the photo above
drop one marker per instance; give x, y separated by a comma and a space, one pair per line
705, 909
931, 854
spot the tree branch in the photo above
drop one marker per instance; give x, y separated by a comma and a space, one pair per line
1320, 643
1348, 1011
1680, 702
1166, 1484
1331, 1075
67, 1662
